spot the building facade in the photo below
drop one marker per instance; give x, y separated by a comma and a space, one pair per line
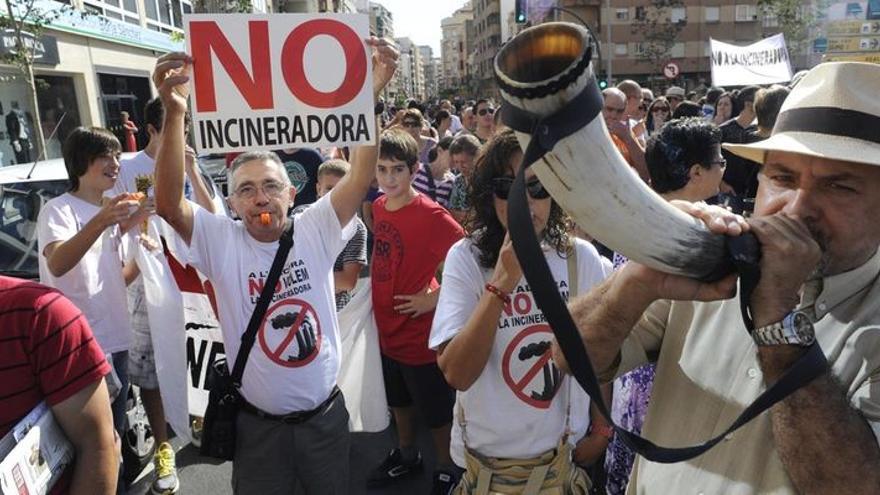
487, 41
89, 69
456, 48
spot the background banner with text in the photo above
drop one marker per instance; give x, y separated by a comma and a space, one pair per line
764, 62
280, 81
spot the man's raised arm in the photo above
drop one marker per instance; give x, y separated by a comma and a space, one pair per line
171, 77
349, 194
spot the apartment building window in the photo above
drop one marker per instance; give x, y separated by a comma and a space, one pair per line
641, 13
677, 50
713, 14
678, 14
638, 49
620, 49
770, 20
126, 11
166, 15
622, 14
746, 13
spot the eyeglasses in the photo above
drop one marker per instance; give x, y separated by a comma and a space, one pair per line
271, 188
412, 124
615, 110
501, 187
484, 111
660, 109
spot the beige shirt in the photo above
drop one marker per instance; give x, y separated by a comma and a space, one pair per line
708, 373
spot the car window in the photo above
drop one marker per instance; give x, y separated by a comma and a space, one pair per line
20, 204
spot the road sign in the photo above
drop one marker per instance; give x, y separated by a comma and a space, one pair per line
853, 28
872, 58
837, 45
671, 70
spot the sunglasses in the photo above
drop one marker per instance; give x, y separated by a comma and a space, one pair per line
484, 111
501, 187
660, 109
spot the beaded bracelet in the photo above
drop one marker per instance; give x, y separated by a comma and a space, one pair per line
505, 298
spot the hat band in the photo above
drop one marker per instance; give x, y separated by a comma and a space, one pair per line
830, 120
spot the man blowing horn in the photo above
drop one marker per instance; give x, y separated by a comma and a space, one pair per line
815, 217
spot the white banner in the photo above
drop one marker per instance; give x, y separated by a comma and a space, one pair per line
764, 62
280, 81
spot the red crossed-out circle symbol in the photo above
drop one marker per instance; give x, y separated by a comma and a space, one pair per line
290, 334
533, 378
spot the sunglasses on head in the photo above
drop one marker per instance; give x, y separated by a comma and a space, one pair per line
501, 187
484, 111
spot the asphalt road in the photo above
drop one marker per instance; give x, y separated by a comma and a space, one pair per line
201, 475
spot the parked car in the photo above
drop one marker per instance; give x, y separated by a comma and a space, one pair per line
24, 189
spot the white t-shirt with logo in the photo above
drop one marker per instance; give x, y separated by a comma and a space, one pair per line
517, 406
95, 284
294, 362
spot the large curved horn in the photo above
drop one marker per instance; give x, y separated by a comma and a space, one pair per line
585, 173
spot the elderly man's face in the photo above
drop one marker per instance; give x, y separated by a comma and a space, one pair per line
615, 108
260, 188
837, 200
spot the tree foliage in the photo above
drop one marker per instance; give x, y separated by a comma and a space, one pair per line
653, 24
796, 19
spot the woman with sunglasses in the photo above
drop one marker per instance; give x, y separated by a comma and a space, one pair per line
515, 411
658, 114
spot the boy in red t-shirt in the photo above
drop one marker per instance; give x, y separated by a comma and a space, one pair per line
412, 234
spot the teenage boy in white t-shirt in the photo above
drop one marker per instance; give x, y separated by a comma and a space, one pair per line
293, 425
80, 235
138, 171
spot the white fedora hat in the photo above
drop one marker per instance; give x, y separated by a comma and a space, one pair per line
833, 112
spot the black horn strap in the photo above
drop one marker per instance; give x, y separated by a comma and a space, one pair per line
546, 132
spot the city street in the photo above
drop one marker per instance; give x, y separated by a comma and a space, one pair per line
201, 475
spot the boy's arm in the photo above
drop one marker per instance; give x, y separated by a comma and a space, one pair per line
347, 278
348, 195
171, 77
62, 256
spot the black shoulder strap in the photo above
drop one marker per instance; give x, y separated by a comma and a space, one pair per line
546, 132
247, 340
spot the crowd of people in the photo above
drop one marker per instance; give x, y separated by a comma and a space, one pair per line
465, 349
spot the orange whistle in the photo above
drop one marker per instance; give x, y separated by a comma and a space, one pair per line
265, 218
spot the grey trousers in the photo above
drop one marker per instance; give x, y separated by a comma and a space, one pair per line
271, 456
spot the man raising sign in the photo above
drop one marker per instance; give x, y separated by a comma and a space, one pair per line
293, 424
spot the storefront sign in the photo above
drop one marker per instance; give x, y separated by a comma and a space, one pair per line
96, 26
280, 81
764, 62
45, 48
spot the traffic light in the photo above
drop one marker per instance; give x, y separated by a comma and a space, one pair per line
603, 83
520, 11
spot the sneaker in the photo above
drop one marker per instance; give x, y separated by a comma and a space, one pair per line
166, 481
444, 482
393, 468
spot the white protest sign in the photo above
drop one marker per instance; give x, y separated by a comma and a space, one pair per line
764, 62
280, 81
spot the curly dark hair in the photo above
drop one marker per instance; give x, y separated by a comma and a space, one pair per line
681, 144
487, 232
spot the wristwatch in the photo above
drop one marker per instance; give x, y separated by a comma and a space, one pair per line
795, 329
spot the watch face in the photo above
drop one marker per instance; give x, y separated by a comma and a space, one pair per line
803, 328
